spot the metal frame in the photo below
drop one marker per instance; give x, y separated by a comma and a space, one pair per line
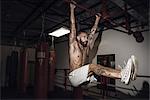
35, 13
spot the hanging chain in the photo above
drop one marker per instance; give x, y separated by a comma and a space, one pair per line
43, 23
24, 35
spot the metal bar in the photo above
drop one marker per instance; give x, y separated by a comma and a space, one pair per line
114, 23
82, 7
93, 12
68, 19
145, 76
56, 21
136, 6
57, 14
146, 24
119, 30
132, 12
62, 69
115, 18
123, 23
145, 30
25, 4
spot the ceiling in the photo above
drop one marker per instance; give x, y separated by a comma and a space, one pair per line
22, 20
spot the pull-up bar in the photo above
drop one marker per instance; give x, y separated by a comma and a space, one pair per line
91, 11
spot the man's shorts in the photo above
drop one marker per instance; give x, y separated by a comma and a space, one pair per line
80, 75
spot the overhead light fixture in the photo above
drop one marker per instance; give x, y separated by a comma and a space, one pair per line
60, 32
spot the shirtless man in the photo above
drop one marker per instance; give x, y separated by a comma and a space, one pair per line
79, 47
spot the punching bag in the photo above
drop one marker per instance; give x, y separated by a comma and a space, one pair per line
7, 74
13, 69
24, 70
52, 64
41, 70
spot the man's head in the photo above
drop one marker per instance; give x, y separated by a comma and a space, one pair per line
83, 38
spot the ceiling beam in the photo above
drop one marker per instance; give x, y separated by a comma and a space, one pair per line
35, 13
141, 25
76, 15
25, 4
55, 21
57, 14
28, 17
132, 12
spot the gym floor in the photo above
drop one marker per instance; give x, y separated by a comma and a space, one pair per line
59, 93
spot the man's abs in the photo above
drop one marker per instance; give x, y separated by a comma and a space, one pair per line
75, 56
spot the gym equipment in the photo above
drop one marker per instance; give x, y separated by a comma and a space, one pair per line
8, 65
52, 65
91, 12
106, 17
41, 70
24, 70
12, 82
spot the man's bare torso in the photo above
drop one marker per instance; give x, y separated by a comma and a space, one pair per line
78, 55
77, 50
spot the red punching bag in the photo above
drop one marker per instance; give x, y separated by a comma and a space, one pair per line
41, 71
24, 70
52, 65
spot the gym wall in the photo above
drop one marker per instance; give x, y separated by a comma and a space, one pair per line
62, 53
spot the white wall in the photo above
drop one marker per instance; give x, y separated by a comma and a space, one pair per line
120, 44
123, 46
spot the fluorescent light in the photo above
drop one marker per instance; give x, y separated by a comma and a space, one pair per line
60, 32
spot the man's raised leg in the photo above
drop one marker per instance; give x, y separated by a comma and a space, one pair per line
124, 74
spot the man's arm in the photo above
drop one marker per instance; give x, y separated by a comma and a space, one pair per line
72, 36
93, 30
